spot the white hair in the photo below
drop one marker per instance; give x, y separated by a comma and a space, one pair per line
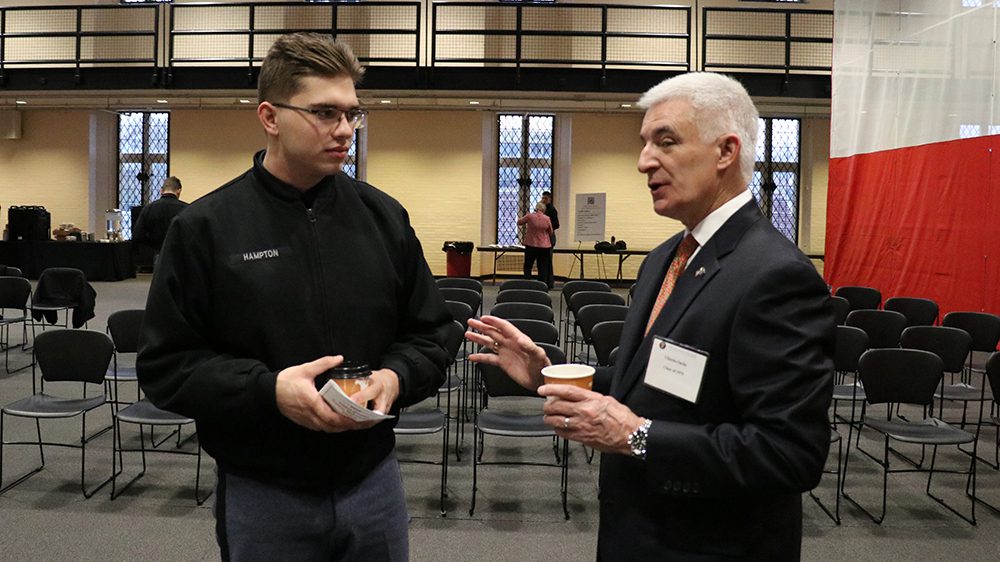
721, 105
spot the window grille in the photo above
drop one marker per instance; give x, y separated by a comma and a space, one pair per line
524, 169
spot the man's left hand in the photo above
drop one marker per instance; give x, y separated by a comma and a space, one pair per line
596, 420
382, 389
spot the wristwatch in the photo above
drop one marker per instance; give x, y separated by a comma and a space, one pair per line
637, 439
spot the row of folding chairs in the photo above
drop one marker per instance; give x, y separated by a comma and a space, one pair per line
911, 372
918, 311
62, 359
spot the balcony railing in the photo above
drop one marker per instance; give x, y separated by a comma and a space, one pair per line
433, 39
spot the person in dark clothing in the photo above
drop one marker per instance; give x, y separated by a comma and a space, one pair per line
553, 214
154, 220
267, 283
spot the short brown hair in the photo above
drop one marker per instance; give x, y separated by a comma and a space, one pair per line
295, 55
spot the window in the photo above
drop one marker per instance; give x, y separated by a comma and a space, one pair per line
143, 160
350, 166
524, 169
775, 182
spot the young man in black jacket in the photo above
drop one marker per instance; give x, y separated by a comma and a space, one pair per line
273, 279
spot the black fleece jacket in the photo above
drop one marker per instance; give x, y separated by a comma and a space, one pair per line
251, 281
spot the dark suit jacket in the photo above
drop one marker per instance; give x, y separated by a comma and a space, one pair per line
723, 477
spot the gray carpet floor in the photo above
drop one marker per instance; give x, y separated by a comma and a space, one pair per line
518, 514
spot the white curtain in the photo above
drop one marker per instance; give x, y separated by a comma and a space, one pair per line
912, 72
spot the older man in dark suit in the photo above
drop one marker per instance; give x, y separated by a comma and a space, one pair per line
714, 419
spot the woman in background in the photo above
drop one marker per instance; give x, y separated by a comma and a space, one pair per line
537, 243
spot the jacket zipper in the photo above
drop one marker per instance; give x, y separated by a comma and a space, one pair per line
324, 305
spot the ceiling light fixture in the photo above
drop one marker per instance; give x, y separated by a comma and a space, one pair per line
385, 101
473, 102
244, 101
161, 101
20, 102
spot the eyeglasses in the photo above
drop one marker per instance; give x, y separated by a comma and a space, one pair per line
329, 115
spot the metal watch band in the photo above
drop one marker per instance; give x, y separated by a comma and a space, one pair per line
637, 440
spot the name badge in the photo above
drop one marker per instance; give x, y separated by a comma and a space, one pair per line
675, 368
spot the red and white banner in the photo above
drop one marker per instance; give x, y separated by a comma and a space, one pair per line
914, 205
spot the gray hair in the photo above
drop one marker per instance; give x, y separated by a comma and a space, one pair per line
721, 105
171, 184
540, 207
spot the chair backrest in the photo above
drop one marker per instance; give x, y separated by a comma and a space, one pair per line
524, 295
497, 383
124, 326
570, 288
882, 326
906, 376
861, 298
468, 296
604, 337
918, 312
529, 310
532, 284
459, 311
982, 326
454, 339
538, 330
841, 308
60, 286
460, 283
950, 344
613, 357
14, 293
993, 374
10, 271
851, 343
592, 314
581, 299
73, 355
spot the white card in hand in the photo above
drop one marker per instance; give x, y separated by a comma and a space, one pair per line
344, 406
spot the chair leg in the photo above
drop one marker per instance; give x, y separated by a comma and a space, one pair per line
884, 463
83, 459
197, 482
475, 467
970, 483
835, 514
30, 473
564, 477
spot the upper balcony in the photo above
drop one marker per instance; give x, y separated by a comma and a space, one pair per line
419, 45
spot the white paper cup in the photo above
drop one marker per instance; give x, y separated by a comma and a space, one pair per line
570, 373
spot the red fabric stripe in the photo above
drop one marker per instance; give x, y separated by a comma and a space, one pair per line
920, 221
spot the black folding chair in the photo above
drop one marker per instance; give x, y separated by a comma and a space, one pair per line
15, 293
861, 298
527, 310
908, 376
918, 312
524, 295
62, 356
515, 422
530, 284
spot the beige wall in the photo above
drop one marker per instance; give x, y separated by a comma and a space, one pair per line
210, 147
431, 161
605, 152
48, 166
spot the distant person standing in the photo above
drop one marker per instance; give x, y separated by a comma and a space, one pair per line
538, 243
151, 226
553, 214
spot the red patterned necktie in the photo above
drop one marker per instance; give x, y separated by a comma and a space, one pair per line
684, 251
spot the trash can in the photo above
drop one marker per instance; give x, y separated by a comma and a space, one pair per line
459, 258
